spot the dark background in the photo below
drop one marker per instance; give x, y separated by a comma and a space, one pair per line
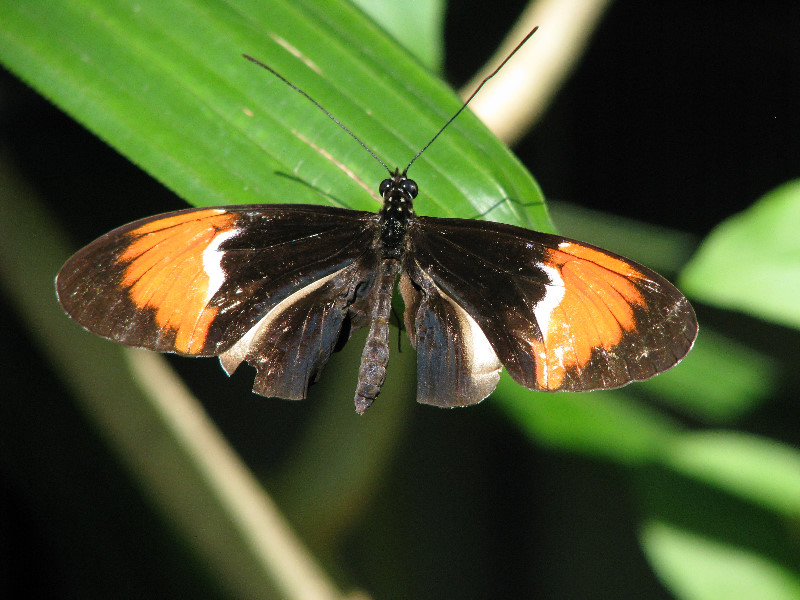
680, 113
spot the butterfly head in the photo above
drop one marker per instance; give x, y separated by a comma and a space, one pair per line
398, 189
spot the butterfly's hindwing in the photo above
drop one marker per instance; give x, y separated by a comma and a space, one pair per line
456, 365
291, 344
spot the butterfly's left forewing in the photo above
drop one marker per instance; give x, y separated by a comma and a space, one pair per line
226, 281
560, 315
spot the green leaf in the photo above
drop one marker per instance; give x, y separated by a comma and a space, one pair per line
720, 516
424, 16
761, 471
751, 262
165, 83
611, 425
696, 567
618, 425
743, 379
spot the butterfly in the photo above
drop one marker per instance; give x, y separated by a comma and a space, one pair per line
282, 286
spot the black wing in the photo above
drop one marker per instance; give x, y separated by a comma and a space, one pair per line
271, 284
556, 313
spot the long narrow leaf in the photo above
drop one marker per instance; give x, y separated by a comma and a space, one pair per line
165, 83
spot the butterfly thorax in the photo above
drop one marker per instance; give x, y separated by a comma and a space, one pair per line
398, 207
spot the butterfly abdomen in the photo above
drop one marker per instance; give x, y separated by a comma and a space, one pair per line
375, 356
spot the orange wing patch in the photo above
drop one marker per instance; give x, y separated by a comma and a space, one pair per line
591, 307
167, 271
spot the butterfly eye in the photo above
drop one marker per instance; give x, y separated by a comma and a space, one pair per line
384, 187
409, 186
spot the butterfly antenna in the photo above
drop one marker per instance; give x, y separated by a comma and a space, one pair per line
478, 89
319, 106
